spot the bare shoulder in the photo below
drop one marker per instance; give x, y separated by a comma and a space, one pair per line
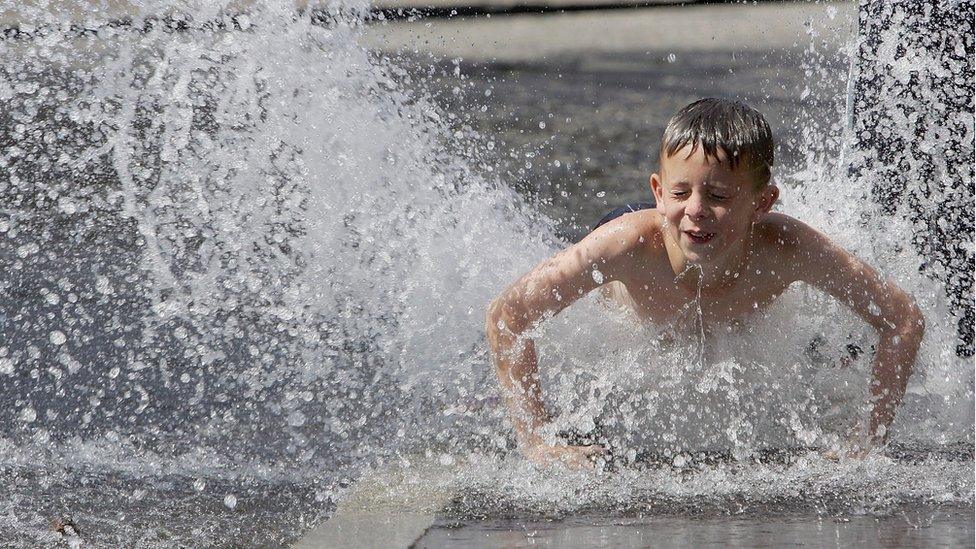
629, 233
781, 228
783, 233
636, 244
790, 241
610, 249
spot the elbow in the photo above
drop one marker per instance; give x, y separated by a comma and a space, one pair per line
906, 336
502, 317
492, 314
909, 327
502, 336
913, 324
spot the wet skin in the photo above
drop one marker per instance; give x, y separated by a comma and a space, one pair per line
712, 235
651, 288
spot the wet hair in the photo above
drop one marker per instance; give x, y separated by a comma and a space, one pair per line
723, 126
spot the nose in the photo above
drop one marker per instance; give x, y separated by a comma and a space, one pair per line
695, 207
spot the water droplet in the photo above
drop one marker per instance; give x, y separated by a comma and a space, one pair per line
230, 501
58, 338
28, 414
102, 285
597, 276
27, 249
672, 58
67, 206
296, 419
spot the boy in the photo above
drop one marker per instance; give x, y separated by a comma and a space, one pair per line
710, 237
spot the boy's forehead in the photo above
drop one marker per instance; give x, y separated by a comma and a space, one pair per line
694, 155
698, 162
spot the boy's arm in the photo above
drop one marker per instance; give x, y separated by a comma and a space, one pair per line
881, 303
548, 288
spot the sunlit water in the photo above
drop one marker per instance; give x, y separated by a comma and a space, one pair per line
245, 259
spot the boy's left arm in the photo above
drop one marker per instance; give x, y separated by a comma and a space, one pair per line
881, 303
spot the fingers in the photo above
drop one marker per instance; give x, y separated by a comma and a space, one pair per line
577, 462
576, 458
856, 452
591, 455
572, 457
593, 450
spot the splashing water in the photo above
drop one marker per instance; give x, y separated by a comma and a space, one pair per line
242, 250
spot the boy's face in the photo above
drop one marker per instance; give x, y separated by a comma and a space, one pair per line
709, 207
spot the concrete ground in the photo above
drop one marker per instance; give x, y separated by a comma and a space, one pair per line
733, 28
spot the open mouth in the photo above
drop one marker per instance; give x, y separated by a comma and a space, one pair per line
699, 237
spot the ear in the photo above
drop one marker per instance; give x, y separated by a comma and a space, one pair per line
767, 197
658, 192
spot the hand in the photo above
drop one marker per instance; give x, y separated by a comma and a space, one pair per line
853, 448
847, 453
575, 458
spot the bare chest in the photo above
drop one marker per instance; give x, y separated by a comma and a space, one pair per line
667, 302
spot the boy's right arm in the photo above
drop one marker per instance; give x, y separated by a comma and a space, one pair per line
548, 288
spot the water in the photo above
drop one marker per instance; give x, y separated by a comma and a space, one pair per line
247, 258
941, 528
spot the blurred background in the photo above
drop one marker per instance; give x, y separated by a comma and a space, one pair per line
577, 97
